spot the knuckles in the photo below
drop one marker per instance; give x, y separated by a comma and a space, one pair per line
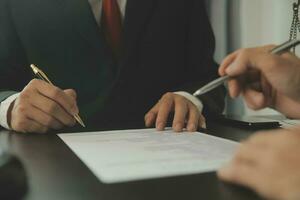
49, 121
179, 98
52, 108
170, 99
245, 52
20, 124
24, 95
21, 109
19, 117
149, 114
168, 95
34, 83
72, 93
55, 93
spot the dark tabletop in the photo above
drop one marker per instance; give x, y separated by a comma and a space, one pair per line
54, 172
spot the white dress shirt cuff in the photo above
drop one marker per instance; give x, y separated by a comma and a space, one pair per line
4, 106
197, 102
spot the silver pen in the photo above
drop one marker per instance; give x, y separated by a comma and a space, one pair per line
220, 81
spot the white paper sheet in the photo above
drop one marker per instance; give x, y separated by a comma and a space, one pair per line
121, 156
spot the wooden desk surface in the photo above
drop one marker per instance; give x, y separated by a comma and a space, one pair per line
54, 172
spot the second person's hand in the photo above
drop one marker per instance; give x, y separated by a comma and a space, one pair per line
268, 162
264, 80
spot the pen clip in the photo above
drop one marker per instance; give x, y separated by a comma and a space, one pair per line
37, 71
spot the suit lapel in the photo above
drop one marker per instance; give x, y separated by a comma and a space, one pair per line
83, 21
137, 16
138, 13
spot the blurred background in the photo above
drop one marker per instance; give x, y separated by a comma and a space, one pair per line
248, 23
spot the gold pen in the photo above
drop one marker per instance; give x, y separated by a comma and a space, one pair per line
39, 73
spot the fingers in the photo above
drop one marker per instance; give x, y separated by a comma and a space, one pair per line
249, 153
165, 107
24, 124
202, 122
248, 160
227, 62
41, 106
255, 100
44, 119
242, 65
234, 87
71, 93
239, 65
235, 65
241, 59
240, 173
266, 138
186, 114
150, 117
56, 94
249, 165
247, 59
35, 127
245, 167
181, 110
194, 119
52, 109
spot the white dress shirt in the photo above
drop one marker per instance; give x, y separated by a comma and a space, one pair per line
96, 6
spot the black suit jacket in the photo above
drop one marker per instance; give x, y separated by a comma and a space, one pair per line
168, 46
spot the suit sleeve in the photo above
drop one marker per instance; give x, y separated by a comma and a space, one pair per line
13, 72
200, 63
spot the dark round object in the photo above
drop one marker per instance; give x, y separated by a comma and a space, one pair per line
13, 184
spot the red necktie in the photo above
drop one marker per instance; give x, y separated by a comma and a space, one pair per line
112, 25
